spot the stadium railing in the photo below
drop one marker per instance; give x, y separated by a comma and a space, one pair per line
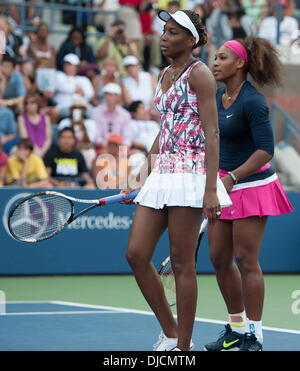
291, 130
55, 7
80, 8
286, 160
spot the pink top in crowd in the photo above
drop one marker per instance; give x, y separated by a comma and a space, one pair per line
3, 159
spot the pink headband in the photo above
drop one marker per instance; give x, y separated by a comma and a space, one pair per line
239, 49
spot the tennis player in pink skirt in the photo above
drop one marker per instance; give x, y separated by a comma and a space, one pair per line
246, 147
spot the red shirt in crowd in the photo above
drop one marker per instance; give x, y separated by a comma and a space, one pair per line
130, 2
146, 22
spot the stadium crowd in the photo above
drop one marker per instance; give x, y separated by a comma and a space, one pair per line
81, 115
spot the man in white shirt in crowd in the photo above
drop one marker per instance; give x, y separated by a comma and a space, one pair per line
139, 85
70, 87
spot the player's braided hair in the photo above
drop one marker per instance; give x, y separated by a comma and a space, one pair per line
195, 18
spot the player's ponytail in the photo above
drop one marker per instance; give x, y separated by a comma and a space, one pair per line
264, 64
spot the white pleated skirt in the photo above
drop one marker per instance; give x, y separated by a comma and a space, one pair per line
177, 189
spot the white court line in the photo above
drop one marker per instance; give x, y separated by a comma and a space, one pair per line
123, 310
27, 302
109, 309
59, 313
136, 311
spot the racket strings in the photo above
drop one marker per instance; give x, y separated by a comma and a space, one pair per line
168, 280
39, 217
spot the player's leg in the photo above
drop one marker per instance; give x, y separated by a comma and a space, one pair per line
227, 274
147, 227
229, 281
247, 238
184, 224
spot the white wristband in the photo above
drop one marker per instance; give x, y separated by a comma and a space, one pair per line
233, 177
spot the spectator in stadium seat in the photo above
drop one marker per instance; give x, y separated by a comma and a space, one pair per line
144, 130
254, 9
25, 168
116, 45
151, 49
85, 131
35, 125
8, 129
70, 87
3, 165
110, 73
65, 164
139, 84
289, 27
40, 70
192, 4
14, 44
14, 90
34, 14
164, 4
130, 15
231, 20
112, 118
104, 20
111, 169
43, 54
10, 11
28, 71
240, 23
75, 44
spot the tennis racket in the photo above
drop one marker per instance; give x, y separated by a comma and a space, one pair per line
43, 215
167, 275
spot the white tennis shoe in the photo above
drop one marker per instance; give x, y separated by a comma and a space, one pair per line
166, 344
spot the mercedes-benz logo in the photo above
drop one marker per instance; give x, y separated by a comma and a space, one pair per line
7, 208
27, 217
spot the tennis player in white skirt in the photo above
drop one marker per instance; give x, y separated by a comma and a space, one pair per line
183, 184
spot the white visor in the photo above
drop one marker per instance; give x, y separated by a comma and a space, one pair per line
182, 19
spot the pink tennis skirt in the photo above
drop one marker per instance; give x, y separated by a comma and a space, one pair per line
258, 200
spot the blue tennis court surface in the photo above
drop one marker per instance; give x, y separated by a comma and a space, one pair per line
70, 326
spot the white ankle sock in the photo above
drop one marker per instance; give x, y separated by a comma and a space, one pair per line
255, 327
238, 326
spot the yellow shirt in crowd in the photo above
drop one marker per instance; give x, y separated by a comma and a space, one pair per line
36, 169
163, 4
116, 51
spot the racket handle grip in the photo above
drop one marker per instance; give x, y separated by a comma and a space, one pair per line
118, 198
203, 226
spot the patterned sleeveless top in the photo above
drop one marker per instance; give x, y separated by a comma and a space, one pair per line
182, 140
